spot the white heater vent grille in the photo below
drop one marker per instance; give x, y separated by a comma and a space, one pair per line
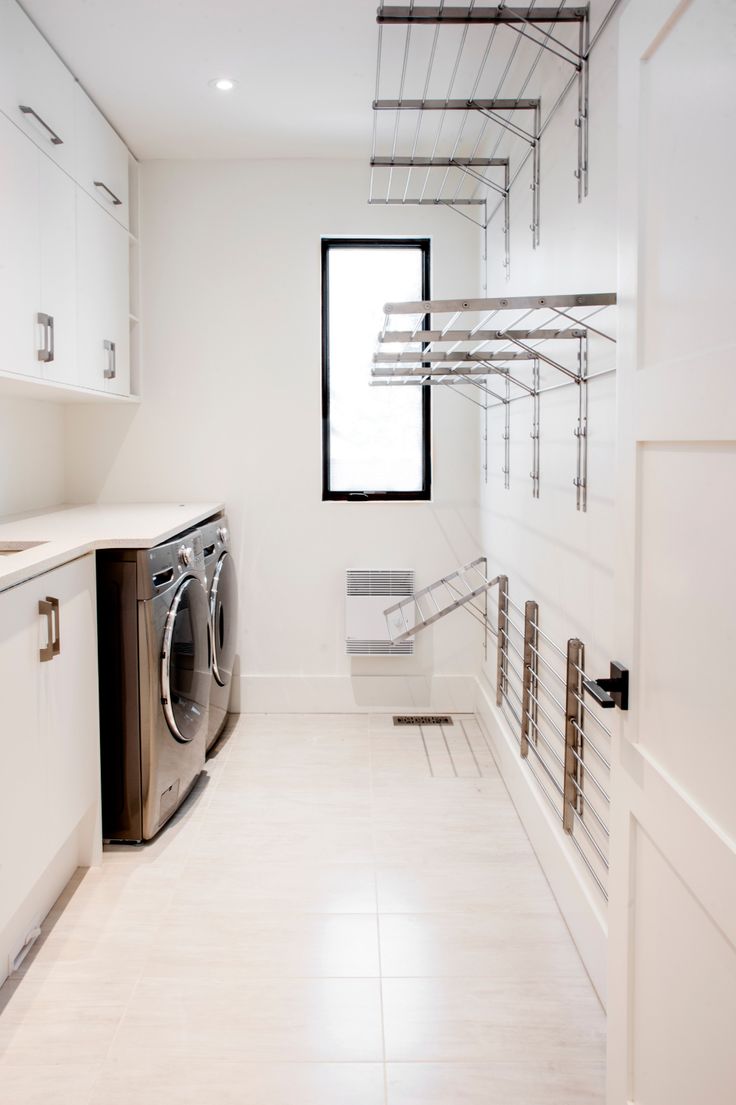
380, 583
368, 593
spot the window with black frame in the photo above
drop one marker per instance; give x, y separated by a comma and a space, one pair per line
375, 440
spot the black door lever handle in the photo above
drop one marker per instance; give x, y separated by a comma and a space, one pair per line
611, 691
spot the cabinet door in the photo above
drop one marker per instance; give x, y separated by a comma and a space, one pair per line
19, 252
69, 719
103, 340
22, 771
36, 88
102, 159
58, 295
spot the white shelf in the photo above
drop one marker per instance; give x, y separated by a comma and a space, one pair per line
27, 387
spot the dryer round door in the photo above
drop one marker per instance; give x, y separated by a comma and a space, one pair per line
186, 661
224, 615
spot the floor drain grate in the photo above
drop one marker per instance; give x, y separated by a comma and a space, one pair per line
422, 719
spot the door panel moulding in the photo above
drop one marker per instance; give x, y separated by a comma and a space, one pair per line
494, 360
450, 156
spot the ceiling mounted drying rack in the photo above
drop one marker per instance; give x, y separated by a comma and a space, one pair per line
455, 160
550, 703
551, 334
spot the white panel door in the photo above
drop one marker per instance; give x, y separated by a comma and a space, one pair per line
19, 252
672, 917
103, 295
58, 296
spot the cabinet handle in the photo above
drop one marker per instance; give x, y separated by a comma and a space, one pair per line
101, 184
46, 352
111, 370
55, 606
55, 140
49, 608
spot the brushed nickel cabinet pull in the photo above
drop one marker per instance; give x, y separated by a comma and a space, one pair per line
55, 140
49, 608
46, 610
111, 369
46, 352
101, 184
55, 606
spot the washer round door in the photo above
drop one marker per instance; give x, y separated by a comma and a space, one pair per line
186, 661
223, 615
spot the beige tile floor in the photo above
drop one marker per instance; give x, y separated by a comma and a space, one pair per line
343, 913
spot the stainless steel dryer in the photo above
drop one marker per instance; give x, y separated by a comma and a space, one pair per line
222, 590
155, 662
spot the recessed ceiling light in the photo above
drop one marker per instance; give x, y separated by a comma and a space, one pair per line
223, 84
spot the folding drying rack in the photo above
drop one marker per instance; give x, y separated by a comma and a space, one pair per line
541, 688
450, 154
495, 339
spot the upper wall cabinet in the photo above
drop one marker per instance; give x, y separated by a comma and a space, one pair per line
20, 279
36, 88
67, 259
57, 319
103, 335
38, 312
102, 159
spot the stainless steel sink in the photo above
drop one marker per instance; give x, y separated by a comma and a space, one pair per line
7, 548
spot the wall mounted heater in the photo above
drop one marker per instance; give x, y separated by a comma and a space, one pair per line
369, 592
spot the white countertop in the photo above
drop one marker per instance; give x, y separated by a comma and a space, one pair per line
71, 531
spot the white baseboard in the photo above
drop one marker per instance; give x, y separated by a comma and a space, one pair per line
337, 694
582, 912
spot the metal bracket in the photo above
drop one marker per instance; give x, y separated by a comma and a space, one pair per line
535, 431
502, 674
613, 691
572, 800
530, 691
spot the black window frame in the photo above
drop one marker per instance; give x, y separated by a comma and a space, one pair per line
423, 494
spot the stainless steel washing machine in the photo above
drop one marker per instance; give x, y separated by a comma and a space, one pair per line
155, 668
222, 589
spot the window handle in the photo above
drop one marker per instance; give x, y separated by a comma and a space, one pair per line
55, 140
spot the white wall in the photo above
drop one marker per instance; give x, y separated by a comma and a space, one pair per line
31, 455
231, 410
552, 553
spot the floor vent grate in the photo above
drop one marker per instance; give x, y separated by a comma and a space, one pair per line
422, 719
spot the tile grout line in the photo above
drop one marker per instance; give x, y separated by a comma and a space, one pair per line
449, 753
378, 924
426, 752
472, 750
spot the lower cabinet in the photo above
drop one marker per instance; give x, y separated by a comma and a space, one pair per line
49, 745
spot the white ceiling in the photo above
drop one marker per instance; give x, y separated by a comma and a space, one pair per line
305, 70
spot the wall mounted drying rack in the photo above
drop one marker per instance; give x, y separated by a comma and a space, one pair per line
542, 690
458, 152
493, 341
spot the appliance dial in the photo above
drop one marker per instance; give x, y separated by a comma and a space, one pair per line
185, 555
223, 533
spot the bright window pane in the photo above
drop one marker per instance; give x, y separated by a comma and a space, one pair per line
375, 433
